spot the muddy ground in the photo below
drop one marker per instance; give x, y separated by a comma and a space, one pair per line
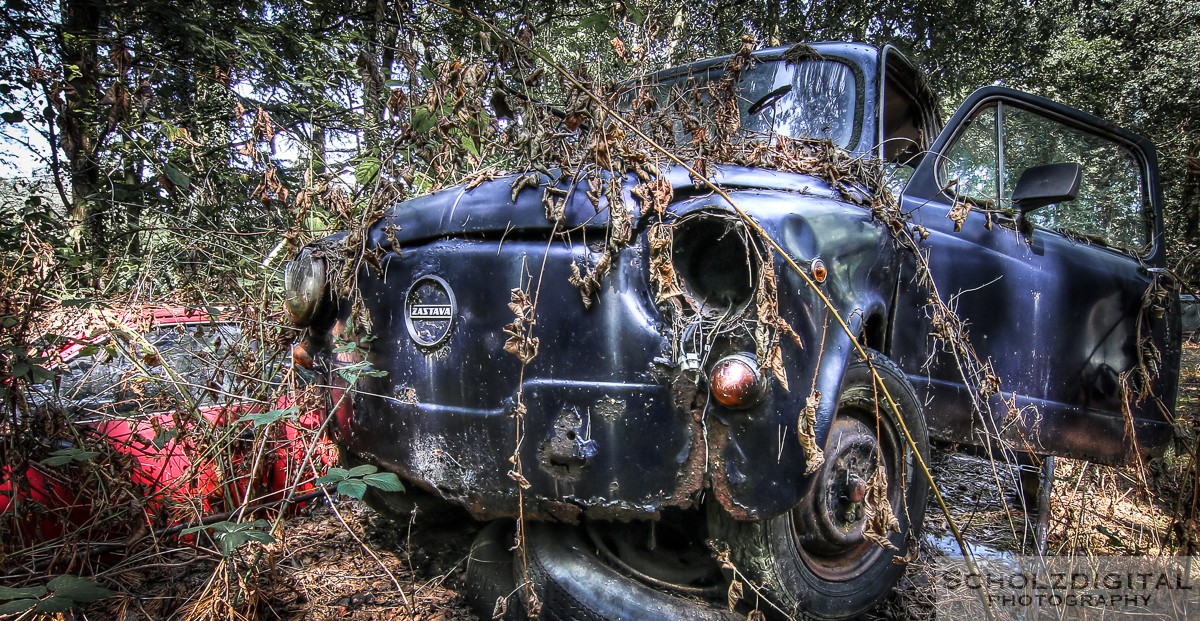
346, 562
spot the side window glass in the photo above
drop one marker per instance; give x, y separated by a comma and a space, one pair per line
969, 167
1002, 141
1109, 209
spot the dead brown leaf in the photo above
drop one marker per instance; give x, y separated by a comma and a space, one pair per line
806, 428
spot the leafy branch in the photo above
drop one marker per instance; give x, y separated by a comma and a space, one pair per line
355, 481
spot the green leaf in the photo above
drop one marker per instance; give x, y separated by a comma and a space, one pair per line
348, 347
352, 488
10, 321
177, 177
20, 369
13, 593
358, 472
394, 83
163, 437
367, 170
232, 535
262, 419
230, 542
55, 604
16, 116
78, 589
596, 22
422, 120
469, 145
386, 481
65, 456
333, 475
41, 374
238, 535
17, 606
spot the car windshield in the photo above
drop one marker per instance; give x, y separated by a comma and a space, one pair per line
207, 361
803, 99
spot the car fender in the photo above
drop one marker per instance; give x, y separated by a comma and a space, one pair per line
756, 459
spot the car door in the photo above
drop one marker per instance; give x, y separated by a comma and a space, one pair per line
1063, 306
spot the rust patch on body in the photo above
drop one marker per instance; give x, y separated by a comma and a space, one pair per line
610, 409
567, 452
718, 441
690, 478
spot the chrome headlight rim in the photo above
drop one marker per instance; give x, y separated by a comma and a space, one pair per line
304, 286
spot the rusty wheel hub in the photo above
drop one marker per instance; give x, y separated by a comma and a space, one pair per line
829, 522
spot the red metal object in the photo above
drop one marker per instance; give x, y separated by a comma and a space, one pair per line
182, 476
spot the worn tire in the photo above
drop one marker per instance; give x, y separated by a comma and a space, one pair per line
489, 575
573, 584
839, 575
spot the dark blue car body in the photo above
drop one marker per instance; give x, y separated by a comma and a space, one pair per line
608, 429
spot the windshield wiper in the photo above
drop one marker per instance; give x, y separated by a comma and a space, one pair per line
769, 99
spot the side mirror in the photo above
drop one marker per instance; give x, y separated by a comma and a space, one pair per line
1045, 185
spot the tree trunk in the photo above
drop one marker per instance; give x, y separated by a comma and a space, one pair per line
78, 122
372, 80
1189, 205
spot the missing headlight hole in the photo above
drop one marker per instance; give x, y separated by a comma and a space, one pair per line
716, 262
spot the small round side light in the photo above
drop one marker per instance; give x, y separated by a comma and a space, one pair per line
736, 382
817, 267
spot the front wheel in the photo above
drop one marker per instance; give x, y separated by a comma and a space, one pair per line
827, 559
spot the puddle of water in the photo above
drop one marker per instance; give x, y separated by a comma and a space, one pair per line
947, 545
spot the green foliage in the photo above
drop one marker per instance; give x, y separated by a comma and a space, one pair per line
232, 535
59, 595
262, 419
366, 170
206, 106
65, 456
355, 481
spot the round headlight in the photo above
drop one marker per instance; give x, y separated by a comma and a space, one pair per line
303, 287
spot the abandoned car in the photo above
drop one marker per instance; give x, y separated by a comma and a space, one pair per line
756, 349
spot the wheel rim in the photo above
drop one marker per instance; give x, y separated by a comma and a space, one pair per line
829, 522
674, 560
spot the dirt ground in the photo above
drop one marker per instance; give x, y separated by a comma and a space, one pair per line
333, 562
347, 562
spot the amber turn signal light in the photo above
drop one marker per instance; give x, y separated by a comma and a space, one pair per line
736, 382
819, 273
300, 355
